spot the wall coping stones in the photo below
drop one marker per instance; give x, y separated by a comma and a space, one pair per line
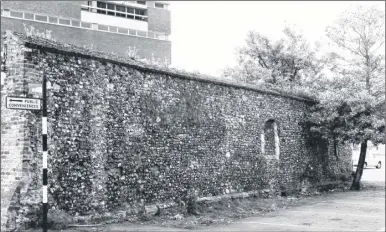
49, 45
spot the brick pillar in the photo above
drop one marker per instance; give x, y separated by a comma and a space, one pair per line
15, 141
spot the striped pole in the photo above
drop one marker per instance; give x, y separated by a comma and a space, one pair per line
44, 134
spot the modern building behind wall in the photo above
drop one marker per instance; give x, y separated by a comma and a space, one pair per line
138, 29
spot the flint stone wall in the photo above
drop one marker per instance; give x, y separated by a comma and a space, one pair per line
123, 134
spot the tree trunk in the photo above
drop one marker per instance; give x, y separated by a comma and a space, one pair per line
368, 72
361, 162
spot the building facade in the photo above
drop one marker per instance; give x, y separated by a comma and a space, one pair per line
139, 29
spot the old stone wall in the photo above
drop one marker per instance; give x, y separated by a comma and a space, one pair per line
124, 135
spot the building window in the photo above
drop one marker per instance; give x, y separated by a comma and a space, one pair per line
64, 22
139, 14
141, 2
53, 20
86, 25
85, 5
101, 5
16, 14
121, 11
111, 9
159, 5
29, 16
41, 18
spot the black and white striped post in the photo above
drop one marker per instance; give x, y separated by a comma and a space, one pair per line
45, 154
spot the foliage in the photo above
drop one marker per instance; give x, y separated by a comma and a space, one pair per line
347, 111
352, 98
56, 219
312, 174
285, 62
359, 38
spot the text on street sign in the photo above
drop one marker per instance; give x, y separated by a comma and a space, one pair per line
23, 103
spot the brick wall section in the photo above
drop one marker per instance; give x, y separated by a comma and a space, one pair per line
159, 20
124, 134
15, 137
99, 41
65, 9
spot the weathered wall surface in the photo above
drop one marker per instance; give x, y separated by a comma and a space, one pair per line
124, 135
19, 136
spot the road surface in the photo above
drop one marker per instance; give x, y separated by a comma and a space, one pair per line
373, 174
350, 211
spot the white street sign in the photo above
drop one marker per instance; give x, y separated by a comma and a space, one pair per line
23, 103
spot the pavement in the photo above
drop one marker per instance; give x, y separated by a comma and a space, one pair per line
348, 211
353, 211
373, 174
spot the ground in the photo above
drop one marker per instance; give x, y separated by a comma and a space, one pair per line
334, 211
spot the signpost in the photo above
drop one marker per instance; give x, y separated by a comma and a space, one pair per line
22, 103
45, 154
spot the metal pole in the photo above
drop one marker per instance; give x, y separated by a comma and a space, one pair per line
44, 134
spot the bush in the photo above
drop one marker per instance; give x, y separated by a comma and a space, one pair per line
58, 220
345, 177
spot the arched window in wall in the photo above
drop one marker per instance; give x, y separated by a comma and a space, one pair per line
270, 139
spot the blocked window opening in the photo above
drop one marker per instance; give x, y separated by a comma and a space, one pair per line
270, 144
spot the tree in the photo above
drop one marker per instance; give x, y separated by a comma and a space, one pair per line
286, 62
352, 102
361, 34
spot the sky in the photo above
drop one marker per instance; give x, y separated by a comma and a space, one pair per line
205, 34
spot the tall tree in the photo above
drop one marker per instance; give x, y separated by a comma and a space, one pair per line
283, 63
361, 34
352, 101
